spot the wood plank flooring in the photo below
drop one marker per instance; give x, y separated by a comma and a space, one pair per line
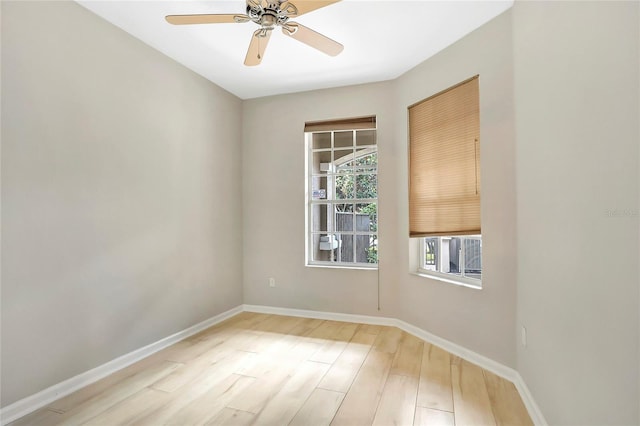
259, 369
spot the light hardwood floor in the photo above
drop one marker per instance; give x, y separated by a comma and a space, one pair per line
277, 370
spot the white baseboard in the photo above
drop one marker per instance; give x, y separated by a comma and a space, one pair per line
453, 348
484, 362
304, 313
529, 402
27, 405
460, 351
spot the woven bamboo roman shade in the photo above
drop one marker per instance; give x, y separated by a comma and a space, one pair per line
444, 163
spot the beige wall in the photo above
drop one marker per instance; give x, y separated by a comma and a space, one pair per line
577, 77
274, 203
121, 213
274, 232
559, 131
481, 320
122, 222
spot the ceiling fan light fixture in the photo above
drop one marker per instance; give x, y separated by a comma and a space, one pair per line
268, 20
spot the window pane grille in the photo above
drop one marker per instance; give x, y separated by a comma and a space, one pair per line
458, 258
342, 221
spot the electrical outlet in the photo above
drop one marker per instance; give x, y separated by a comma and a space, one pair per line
523, 336
272, 282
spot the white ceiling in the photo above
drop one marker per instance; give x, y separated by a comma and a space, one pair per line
382, 39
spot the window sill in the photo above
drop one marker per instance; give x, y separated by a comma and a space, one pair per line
448, 280
341, 266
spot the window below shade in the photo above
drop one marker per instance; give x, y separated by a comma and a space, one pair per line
444, 184
342, 193
457, 259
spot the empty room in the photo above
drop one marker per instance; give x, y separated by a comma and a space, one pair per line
340, 212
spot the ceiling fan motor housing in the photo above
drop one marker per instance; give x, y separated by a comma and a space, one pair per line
271, 15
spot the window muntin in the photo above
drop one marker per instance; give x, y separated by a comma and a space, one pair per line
342, 200
454, 258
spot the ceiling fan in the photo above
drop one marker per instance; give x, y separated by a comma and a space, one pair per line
270, 14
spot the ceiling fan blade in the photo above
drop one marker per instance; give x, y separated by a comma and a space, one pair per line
306, 6
312, 38
205, 19
258, 45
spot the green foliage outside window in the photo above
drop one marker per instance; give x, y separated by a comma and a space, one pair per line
351, 185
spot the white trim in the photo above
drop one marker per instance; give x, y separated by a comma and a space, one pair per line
27, 405
534, 411
464, 353
423, 273
342, 265
31, 403
453, 348
304, 313
484, 362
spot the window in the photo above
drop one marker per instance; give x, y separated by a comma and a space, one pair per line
444, 183
342, 193
452, 258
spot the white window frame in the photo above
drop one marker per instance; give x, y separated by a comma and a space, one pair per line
461, 279
309, 175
